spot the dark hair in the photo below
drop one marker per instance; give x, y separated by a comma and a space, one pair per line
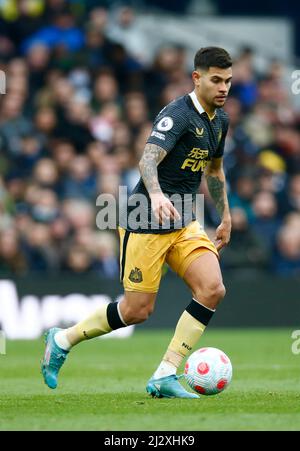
207, 57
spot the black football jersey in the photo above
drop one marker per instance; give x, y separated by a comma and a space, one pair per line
191, 139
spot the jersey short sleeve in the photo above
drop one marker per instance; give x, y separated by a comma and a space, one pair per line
220, 150
169, 125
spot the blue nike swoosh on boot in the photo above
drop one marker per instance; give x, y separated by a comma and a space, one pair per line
54, 358
168, 387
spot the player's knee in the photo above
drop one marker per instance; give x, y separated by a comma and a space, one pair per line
217, 291
212, 294
144, 314
137, 314
221, 291
138, 317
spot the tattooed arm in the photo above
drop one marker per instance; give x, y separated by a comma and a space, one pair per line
216, 184
151, 158
161, 206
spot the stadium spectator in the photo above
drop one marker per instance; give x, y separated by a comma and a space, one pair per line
125, 30
38, 248
105, 247
244, 85
80, 182
62, 33
78, 260
265, 222
12, 259
246, 250
242, 194
289, 199
286, 258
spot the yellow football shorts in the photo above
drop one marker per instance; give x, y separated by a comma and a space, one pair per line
142, 255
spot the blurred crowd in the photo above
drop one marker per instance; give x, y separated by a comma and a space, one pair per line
79, 104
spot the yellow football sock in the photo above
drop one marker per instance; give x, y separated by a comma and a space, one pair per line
93, 326
187, 333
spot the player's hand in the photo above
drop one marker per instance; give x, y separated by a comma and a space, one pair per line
222, 237
163, 208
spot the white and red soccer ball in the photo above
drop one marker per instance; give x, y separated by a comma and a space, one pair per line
208, 371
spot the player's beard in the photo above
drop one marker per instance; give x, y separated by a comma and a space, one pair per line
211, 102
219, 104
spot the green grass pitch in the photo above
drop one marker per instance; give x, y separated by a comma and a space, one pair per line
102, 386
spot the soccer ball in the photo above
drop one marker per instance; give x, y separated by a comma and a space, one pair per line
208, 371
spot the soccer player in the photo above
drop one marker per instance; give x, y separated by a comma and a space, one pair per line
187, 139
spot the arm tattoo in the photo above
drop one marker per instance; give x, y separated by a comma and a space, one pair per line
151, 157
217, 191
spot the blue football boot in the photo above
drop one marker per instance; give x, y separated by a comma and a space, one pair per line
53, 360
168, 387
